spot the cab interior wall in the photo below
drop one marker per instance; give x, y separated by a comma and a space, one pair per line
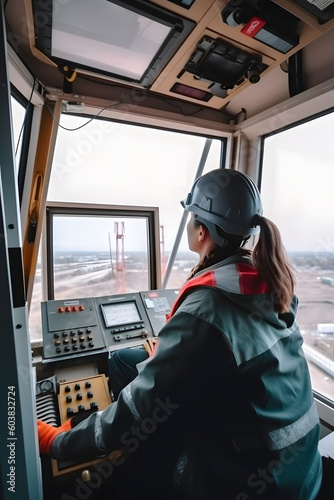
243, 119
272, 89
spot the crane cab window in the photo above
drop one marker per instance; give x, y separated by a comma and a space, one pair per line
297, 184
120, 164
117, 164
94, 251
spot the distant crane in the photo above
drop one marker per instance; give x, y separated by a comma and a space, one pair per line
162, 251
119, 230
110, 253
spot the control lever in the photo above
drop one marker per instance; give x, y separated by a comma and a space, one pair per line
143, 334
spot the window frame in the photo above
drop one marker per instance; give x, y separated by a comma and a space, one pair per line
25, 137
325, 405
86, 209
283, 129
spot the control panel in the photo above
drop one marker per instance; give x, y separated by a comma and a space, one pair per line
157, 304
83, 327
78, 398
70, 328
123, 320
79, 327
82, 396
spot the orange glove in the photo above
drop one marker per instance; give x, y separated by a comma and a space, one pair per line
47, 433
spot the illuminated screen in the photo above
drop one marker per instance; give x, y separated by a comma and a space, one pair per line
120, 313
114, 39
130, 40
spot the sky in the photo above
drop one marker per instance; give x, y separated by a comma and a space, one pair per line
98, 233
297, 185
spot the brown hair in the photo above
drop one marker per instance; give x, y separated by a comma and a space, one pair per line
269, 258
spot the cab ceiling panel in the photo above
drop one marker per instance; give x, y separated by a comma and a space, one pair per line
268, 34
204, 52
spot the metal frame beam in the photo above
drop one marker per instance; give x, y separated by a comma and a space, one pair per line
19, 454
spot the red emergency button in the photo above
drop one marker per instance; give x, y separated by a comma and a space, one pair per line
81, 308
60, 309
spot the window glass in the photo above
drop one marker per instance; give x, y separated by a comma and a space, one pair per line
110, 163
185, 259
114, 163
95, 256
18, 114
297, 185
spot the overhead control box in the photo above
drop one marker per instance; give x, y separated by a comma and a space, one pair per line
223, 65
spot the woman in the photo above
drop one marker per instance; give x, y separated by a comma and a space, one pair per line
224, 407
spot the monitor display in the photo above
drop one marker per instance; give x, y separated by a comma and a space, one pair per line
113, 37
120, 313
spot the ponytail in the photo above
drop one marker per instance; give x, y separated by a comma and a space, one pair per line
270, 260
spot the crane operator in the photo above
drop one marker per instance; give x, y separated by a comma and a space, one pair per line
223, 409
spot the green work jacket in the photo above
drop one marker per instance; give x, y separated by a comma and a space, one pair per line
226, 395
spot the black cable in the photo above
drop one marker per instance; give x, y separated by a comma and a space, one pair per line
88, 121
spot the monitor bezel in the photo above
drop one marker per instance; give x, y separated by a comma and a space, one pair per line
106, 305
181, 28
